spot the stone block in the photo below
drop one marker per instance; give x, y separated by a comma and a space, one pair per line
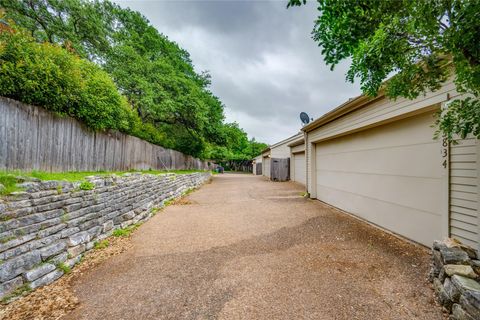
50, 206
451, 290
78, 238
95, 231
75, 251
475, 266
18, 195
464, 284
50, 184
51, 230
19, 204
90, 245
21, 212
29, 186
59, 258
73, 207
470, 302
442, 295
72, 262
38, 272
53, 250
16, 242
18, 265
459, 314
68, 232
461, 270
454, 255
107, 226
46, 279
8, 287
127, 216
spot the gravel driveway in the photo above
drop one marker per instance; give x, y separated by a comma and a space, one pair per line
246, 248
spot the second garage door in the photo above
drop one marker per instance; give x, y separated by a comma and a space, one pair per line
390, 175
299, 169
266, 167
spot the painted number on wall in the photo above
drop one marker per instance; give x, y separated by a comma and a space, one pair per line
445, 153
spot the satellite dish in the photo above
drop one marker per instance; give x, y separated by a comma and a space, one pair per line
304, 118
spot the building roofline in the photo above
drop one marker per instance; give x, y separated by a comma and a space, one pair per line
346, 107
297, 142
295, 136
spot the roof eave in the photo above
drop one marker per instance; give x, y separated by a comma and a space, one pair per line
346, 107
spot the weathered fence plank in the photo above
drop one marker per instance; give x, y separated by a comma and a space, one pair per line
32, 138
280, 169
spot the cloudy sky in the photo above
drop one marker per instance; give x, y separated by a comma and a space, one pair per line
264, 65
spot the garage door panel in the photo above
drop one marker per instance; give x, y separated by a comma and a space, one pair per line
385, 161
390, 175
394, 189
266, 167
299, 167
392, 134
408, 222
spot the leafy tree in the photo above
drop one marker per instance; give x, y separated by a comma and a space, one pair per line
423, 43
169, 103
49, 76
239, 146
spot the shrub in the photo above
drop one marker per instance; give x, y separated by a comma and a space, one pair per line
47, 75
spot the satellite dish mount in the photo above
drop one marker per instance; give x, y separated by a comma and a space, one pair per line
304, 118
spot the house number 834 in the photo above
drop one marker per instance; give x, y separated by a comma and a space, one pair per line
445, 152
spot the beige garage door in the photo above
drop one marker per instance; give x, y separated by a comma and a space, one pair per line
266, 167
299, 170
390, 175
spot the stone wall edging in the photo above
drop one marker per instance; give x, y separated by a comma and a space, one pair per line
52, 224
455, 275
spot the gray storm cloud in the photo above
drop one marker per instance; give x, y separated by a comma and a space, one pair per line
264, 65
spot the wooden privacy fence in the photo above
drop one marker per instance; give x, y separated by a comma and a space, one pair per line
280, 169
32, 138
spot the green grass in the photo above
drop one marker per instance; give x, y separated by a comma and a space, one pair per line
78, 175
126, 232
98, 245
9, 181
18, 292
87, 185
66, 269
8, 178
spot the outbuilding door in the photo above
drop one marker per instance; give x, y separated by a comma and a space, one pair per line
390, 175
266, 167
299, 167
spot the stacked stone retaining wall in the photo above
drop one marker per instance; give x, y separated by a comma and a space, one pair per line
455, 275
46, 229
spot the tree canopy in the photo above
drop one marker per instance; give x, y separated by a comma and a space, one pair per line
422, 43
169, 97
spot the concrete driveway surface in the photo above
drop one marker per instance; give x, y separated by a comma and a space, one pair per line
242, 247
